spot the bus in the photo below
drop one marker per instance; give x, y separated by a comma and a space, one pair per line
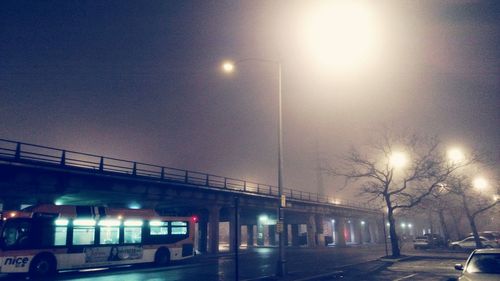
43, 239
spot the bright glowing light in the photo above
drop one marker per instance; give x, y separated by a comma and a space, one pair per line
496, 197
480, 183
388, 224
13, 214
410, 225
134, 206
84, 222
155, 223
263, 218
93, 269
362, 222
61, 222
58, 202
398, 160
132, 223
403, 225
455, 155
335, 201
342, 35
109, 222
228, 67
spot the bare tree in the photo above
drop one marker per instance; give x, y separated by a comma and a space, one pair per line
437, 204
383, 172
475, 201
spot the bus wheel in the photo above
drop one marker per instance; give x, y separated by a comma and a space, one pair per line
42, 266
162, 257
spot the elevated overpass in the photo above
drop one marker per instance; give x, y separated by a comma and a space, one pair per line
31, 174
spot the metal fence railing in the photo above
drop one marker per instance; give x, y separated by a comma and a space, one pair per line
38, 154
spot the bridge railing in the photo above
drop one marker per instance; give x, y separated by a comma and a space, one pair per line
38, 154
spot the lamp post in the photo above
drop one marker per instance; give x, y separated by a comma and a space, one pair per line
281, 263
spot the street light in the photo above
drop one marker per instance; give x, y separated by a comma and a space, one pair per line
480, 183
343, 36
455, 155
229, 67
398, 159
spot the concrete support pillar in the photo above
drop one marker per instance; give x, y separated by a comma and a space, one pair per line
380, 231
250, 235
350, 226
214, 217
320, 231
285, 233
272, 235
328, 231
311, 232
203, 233
295, 235
234, 230
371, 231
340, 232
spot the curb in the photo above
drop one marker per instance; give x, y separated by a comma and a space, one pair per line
396, 259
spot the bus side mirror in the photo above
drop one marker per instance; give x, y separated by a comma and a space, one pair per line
459, 266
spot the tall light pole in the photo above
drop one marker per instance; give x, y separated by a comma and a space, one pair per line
281, 264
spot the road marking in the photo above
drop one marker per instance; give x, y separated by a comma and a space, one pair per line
402, 278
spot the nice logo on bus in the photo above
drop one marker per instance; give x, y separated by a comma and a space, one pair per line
16, 261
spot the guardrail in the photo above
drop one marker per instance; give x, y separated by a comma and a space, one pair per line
25, 152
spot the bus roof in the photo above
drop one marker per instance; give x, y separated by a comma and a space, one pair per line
70, 211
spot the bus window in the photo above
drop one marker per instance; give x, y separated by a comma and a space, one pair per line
179, 227
60, 232
109, 232
83, 231
132, 231
158, 228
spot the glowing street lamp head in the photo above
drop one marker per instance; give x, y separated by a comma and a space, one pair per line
342, 35
455, 155
398, 160
480, 183
228, 67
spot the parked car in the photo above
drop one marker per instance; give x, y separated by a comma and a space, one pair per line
470, 243
428, 241
490, 235
421, 242
482, 264
435, 239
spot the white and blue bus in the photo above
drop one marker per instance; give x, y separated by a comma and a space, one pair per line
43, 239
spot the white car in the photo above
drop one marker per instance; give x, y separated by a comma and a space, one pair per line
482, 264
470, 243
421, 242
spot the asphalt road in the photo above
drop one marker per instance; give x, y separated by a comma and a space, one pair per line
321, 264
430, 265
255, 264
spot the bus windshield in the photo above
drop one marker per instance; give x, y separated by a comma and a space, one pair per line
15, 233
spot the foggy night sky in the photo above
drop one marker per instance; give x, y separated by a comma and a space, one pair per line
140, 80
